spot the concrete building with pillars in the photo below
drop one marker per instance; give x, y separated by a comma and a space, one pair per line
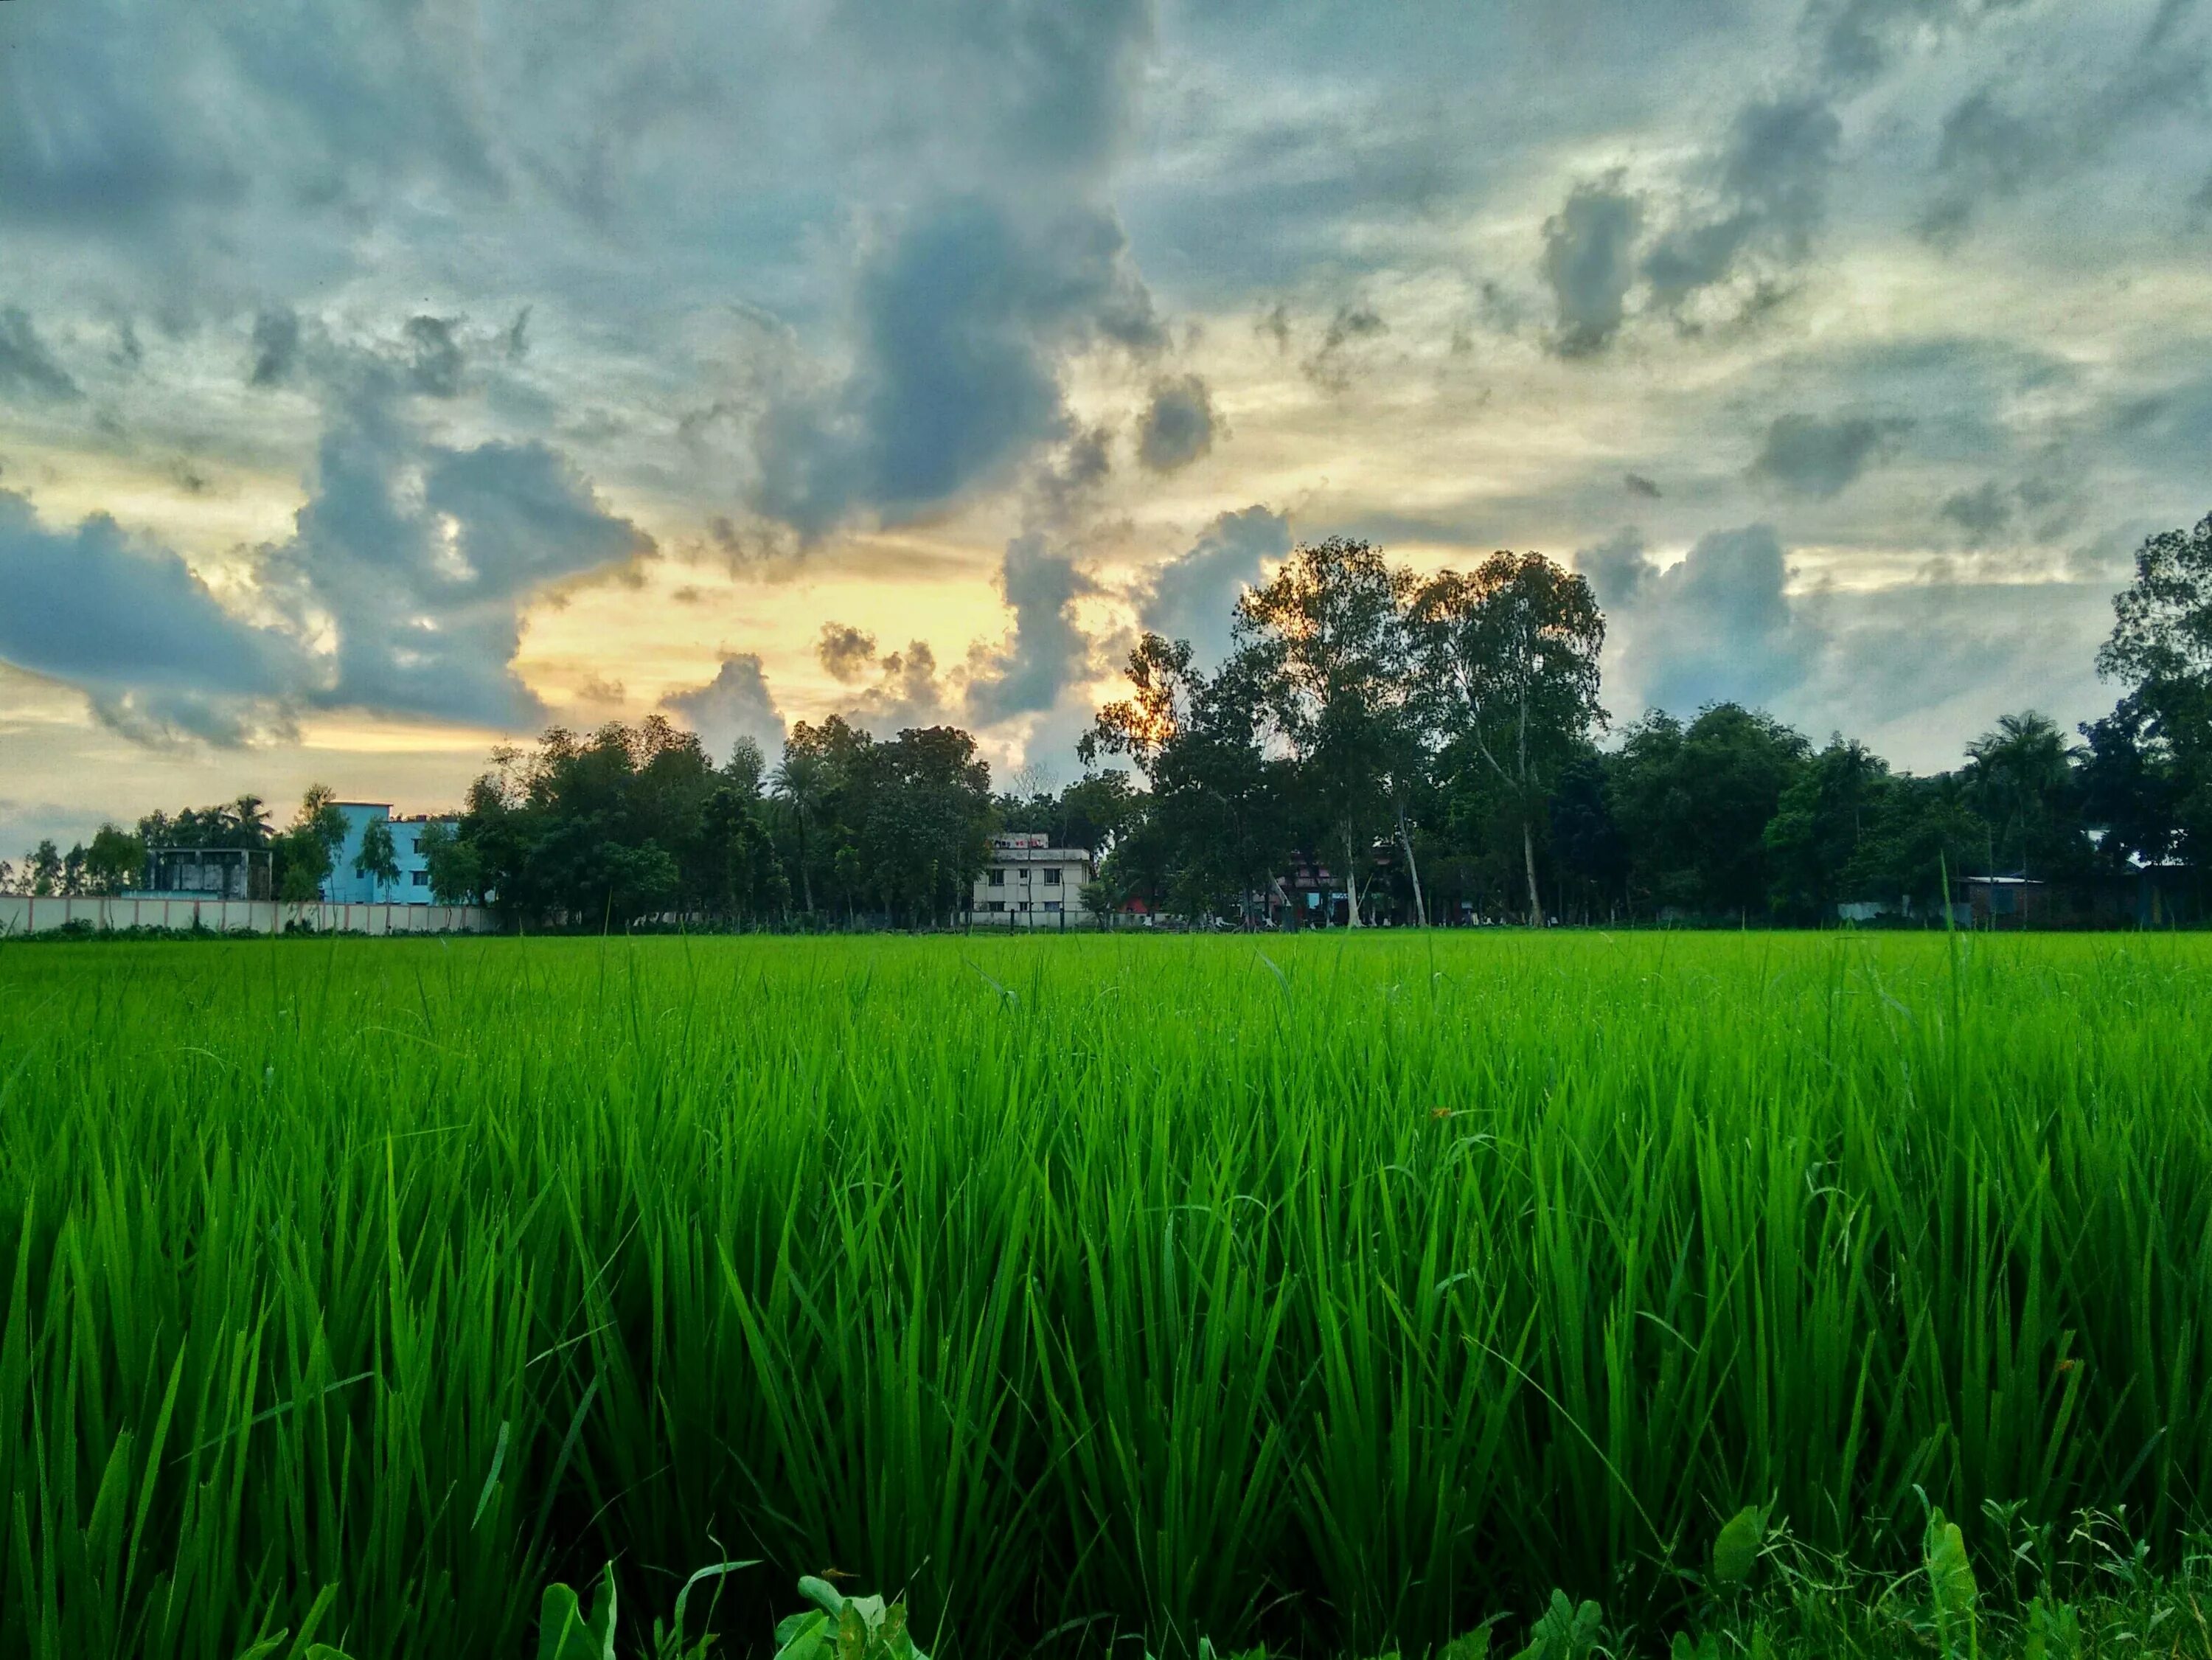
1029, 883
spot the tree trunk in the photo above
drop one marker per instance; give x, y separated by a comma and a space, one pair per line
1412, 869
1528, 863
1351, 885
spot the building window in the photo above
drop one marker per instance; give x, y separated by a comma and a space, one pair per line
1052, 876
1025, 873
422, 878
1021, 904
998, 879
995, 904
1052, 904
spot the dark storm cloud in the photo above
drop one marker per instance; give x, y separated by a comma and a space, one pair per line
846, 652
1773, 180
736, 703
1192, 596
1331, 364
1857, 39
127, 621
2001, 141
421, 557
275, 345
27, 367
1065, 483
1986, 153
1049, 651
1034, 87
907, 693
83, 146
962, 321
1589, 264
1616, 569
1177, 426
434, 356
1004, 256
1275, 323
1722, 625
2041, 509
916, 226
1895, 659
1812, 457
1985, 514
142, 130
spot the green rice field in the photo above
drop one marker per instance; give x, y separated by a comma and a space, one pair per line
1098, 1294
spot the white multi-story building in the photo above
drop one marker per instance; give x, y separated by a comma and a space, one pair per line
1030, 883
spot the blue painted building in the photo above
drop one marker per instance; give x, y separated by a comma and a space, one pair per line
346, 886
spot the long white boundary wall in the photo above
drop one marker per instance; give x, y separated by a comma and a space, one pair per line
20, 914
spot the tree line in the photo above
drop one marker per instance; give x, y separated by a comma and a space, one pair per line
1442, 745
1431, 750
302, 854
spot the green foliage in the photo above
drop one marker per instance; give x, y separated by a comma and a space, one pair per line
1217, 823
1735, 1549
1954, 1596
378, 858
114, 860
840, 1627
1565, 1632
42, 869
1693, 804
2054, 1631
455, 868
1323, 649
599, 831
567, 1630
1506, 679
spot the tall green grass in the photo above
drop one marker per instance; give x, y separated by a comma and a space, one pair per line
1335, 1292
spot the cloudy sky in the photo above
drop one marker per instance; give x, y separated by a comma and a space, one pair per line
380, 382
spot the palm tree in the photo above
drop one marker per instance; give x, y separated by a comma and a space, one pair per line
249, 818
803, 779
2019, 776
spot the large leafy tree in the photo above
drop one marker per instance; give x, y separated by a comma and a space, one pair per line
822, 772
1919, 835
1323, 645
1508, 658
1585, 841
455, 867
42, 870
2129, 789
307, 848
605, 829
378, 858
922, 816
2162, 649
1693, 803
1820, 824
1214, 822
113, 861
